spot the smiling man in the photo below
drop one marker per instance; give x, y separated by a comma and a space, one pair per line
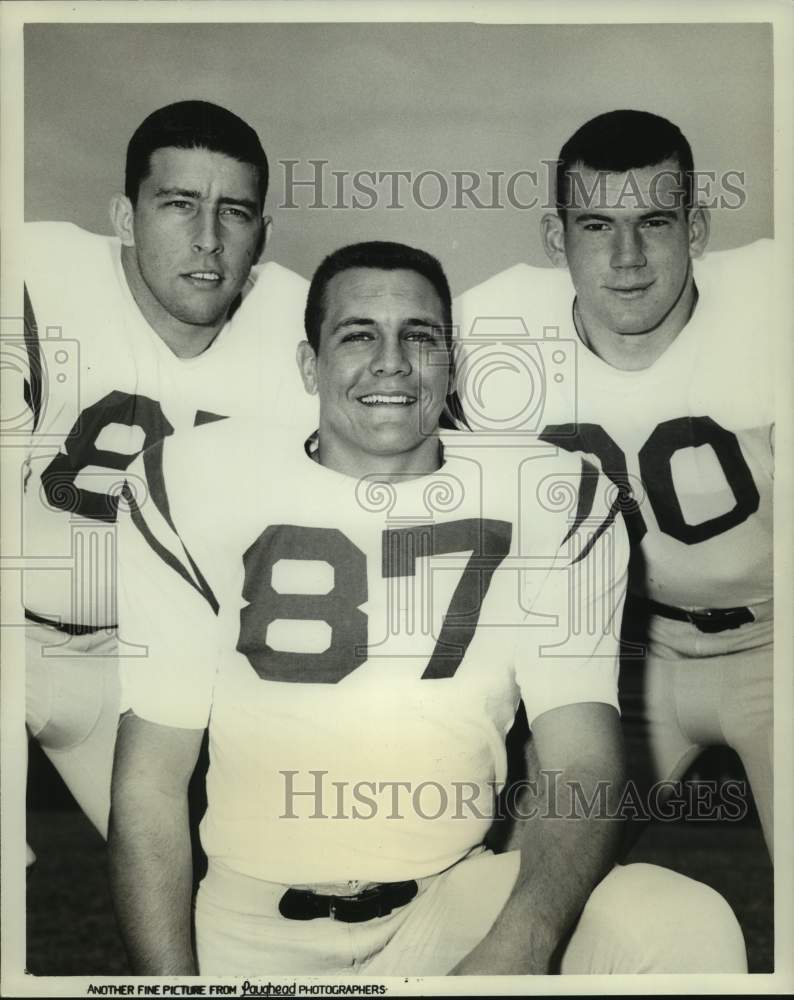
130, 338
671, 393
627, 240
354, 618
391, 409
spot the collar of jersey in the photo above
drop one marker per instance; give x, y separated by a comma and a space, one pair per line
629, 378
312, 448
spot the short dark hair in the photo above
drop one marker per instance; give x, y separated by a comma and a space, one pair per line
619, 141
193, 125
384, 256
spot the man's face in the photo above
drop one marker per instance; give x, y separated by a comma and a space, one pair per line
381, 372
628, 246
196, 226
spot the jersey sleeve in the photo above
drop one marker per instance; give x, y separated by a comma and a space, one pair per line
568, 643
512, 363
268, 328
167, 613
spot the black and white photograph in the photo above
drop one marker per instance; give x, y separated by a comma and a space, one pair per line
396, 480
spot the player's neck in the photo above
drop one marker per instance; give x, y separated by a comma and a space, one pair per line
421, 461
185, 340
636, 351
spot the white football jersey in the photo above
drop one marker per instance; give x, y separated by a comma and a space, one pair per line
102, 386
691, 437
359, 649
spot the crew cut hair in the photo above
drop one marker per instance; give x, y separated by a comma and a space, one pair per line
193, 125
385, 256
619, 141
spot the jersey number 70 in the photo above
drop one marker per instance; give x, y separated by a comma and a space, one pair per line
487, 540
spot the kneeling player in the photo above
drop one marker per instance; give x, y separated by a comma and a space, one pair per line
673, 399
160, 328
355, 618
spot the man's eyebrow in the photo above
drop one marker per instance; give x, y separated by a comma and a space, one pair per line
175, 192
353, 321
180, 192
423, 321
248, 203
654, 213
368, 321
594, 217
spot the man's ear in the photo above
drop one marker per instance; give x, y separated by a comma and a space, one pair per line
552, 234
307, 365
699, 229
264, 237
122, 215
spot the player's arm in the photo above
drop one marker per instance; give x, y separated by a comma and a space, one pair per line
151, 872
564, 852
569, 843
168, 655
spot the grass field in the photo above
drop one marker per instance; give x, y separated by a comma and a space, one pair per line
71, 928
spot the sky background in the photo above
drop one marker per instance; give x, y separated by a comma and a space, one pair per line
389, 97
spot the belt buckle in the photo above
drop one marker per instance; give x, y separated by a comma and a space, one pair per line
700, 618
709, 620
351, 909
375, 901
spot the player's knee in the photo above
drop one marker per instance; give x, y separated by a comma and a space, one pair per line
690, 926
66, 700
710, 938
38, 695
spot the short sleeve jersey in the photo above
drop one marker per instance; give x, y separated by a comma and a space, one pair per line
358, 648
689, 440
102, 386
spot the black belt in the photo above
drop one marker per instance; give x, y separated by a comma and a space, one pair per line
301, 904
65, 627
704, 619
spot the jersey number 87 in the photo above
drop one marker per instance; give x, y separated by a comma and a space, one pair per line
488, 541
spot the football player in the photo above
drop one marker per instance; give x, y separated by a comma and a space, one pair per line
672, 397
130, 338
355, 617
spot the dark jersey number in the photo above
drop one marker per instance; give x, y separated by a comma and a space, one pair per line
489, 542
655, 467
655, 459
80, 451
339, 608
